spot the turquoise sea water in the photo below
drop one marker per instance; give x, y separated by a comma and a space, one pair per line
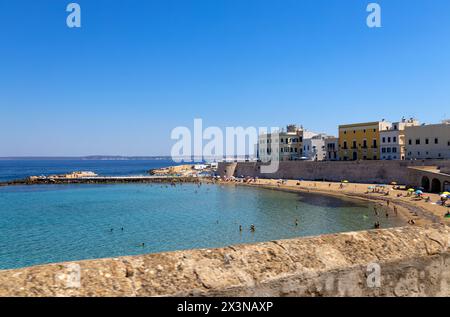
55, 223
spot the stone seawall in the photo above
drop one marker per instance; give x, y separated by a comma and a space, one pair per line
412, 261
358, 172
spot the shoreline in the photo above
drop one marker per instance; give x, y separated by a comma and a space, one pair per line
423, 213
420, 212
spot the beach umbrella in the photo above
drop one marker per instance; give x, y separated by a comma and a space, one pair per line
345, 181
411, 190
445, 193
419, 192
394, 183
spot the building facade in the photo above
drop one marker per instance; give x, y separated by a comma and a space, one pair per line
314, 148
428, 141
361, 141
393, 140
289, 144
332, 148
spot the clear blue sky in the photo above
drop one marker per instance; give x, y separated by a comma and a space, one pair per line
137, 69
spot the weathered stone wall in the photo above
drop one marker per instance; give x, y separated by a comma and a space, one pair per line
358, 172
413, 261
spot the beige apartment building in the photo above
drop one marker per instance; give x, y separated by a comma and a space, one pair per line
428, 141
392, 140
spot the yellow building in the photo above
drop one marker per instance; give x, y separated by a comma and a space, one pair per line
361, 141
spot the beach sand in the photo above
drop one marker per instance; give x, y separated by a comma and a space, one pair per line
408, 208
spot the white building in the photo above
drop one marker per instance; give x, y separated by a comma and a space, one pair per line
332, 148
314, 147
392, 140
428, 141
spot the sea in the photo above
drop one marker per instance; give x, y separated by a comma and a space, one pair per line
56, 223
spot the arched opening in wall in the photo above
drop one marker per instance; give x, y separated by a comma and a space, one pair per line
436, 186
426, 183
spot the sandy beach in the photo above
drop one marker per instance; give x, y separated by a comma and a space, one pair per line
410, 209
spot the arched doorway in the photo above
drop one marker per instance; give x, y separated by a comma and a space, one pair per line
426, 183
436, 186
355, 156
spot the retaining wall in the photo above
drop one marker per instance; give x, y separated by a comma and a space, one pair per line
353, 171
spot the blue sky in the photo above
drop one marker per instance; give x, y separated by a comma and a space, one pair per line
137, 69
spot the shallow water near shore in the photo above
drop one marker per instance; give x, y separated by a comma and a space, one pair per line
56, 223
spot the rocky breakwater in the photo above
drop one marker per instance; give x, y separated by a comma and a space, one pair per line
408, 261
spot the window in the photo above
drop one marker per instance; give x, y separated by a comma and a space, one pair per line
383, 150
417, 141
389, 150
345, 145
354, 144
448, 143
436, 141
384, 140
394, 150
394, 139
365, 144
389, 139
427, 141
409, 141
374, 143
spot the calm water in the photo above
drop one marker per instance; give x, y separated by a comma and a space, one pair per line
54, 223
19, 169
